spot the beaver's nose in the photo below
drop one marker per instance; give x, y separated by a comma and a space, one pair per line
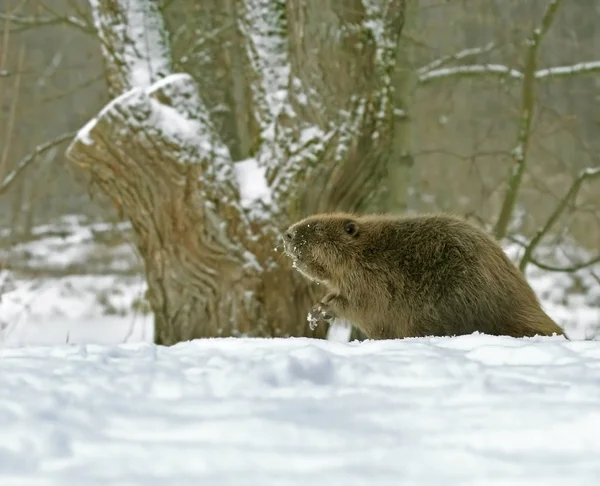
289, 235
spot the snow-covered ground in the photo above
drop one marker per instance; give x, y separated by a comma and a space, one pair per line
73, 284
472, 410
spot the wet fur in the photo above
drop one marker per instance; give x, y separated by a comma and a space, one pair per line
426, 275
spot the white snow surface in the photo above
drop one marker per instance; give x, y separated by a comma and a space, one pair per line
252, 182
472, 410
62, 303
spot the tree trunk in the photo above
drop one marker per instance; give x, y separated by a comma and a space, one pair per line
321, 91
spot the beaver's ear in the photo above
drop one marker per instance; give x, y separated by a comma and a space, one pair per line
351, 228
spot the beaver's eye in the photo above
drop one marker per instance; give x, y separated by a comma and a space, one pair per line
351, 228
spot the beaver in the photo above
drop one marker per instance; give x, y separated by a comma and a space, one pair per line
414, 276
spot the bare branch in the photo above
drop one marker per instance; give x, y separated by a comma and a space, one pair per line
442, 61
519, 153
29, 158
587, 174
505, 72
573, 268
37, 21
565, 71
13, 110
476, 70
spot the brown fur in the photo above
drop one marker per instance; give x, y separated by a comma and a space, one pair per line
395, 277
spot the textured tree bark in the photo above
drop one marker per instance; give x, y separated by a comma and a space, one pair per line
210, 262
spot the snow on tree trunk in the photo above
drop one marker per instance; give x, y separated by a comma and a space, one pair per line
321, 90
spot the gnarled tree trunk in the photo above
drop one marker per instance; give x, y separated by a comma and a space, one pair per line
320, 88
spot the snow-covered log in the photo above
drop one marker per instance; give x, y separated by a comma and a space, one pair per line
206, 233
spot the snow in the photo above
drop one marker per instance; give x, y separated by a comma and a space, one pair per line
591, 172
428, 73
465, 53
472, 70
83, 134
170, 109
252, 182
474, 410
141, 36
263, 27
579, 68
73, 284
517, 153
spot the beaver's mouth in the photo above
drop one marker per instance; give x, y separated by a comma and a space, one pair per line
297, 262
291, 249
293, 253
308, 269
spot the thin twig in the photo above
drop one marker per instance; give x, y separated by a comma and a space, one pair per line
35, 21
573, 268
586, 174
505, 72
13, 110
442, 61
28, 159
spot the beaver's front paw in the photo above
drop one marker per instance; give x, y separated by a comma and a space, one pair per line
319, 312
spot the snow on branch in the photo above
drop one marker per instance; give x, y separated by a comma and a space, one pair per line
465, 53
565, 71
134, 42
385, 20
171, 113
476, 70
153, 152
166, 108
290, 143
505, 72
265, 29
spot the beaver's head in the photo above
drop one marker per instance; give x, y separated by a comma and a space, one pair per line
323, 245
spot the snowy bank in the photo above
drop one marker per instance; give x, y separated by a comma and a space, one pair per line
471, 410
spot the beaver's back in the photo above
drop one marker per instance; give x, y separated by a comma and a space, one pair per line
440, 275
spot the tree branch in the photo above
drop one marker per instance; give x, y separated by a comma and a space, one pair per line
11, 178
566, 71
505, 72
471, 71
138, 53
519, 153
465, 53
16, 90
571, 194
573, 268
37, 21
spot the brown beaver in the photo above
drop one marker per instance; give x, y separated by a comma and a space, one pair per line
409, 276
